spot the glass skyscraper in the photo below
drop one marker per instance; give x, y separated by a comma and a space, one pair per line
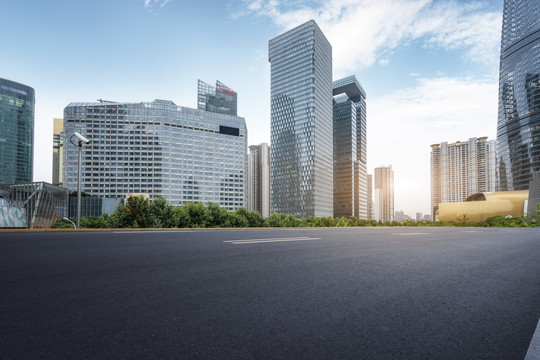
16, 132
301, 122
350, 146
158, 148
219, 99
518, 127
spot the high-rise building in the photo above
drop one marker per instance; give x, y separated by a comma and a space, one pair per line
350, 145
399, 216
157, 148
301, 122
384, 193
17, 103
58, 148
219, 99
258, 197
370, 214
461, 169
518, 126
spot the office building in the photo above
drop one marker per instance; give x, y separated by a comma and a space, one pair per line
258, 198
461, 169
350, 145
384, 193
93, 206
157, 148
219, 99
399, 216
534, 196
58, 148
17, 103
301, 122
518, 126
370, 197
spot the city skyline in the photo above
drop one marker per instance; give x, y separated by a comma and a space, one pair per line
431, 73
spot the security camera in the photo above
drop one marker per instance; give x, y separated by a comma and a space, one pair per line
82, 138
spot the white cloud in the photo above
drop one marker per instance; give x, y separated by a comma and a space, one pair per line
402, 126
363, 31
160, 3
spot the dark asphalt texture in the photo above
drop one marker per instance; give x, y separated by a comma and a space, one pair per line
369, 293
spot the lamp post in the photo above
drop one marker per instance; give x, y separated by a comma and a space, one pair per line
81, 139
74, 226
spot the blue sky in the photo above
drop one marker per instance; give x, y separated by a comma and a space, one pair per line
429, 67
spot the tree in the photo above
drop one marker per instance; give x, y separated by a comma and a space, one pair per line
275, 220
254, 219
216, 216
134, 213
193, 215
238, 218
162, 213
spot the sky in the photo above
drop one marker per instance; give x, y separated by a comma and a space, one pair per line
429, 67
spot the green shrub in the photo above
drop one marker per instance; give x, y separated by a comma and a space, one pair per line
275, 220
63, 224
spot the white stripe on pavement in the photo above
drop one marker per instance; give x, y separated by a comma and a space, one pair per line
534, 349
271, 240
409, 234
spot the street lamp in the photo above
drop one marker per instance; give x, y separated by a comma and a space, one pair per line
81, 139
75, 226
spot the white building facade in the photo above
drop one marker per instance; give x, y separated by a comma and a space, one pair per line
461, 169
160, 149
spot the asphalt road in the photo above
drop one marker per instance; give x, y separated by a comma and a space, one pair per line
370, 293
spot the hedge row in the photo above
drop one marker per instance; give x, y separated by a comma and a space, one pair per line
138, 212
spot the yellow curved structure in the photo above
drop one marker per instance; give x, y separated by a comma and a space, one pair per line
478, 207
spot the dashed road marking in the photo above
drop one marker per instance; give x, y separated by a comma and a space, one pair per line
271, 240
409, 234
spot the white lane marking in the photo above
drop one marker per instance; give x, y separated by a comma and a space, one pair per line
534, 349
470, 231
271, 240
409, 234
